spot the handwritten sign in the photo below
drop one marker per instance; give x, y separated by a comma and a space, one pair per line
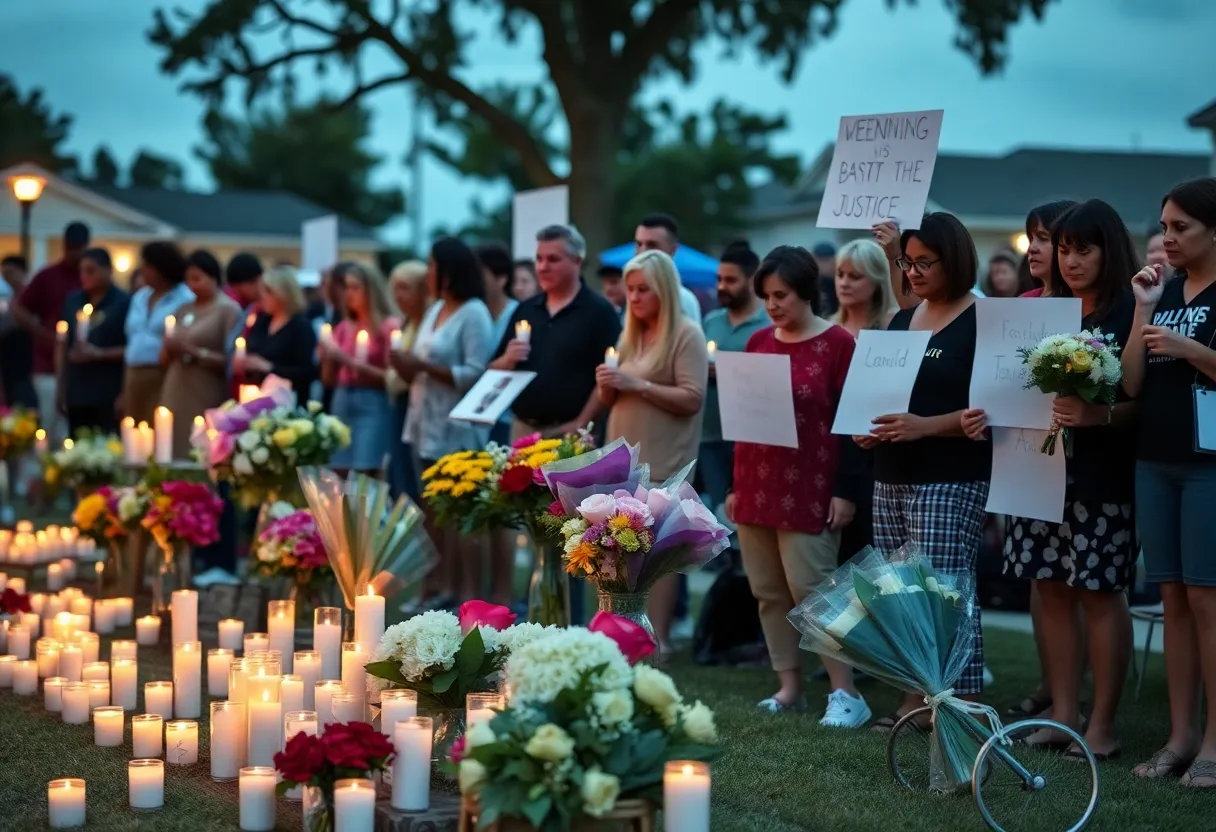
319, 243
881, 170
998, 377
756, 398
1025, 481
533, 210
881, 377
490, 397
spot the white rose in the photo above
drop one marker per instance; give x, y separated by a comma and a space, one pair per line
550, 743
599, 792
249, 440
614, 707
699, 724
654, 687
260, 455
479, 734
472, 775
242, 465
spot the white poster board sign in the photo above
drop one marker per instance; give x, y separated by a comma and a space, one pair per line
533, 210
319, 243
881, 377
881, 170
756, 398
490, 397
998, 377
1025, 481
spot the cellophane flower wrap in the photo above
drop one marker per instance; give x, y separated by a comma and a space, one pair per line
1086, 365
18, 427
895, 618
582, 730
92, 460
291, 547
620, 531
256, 446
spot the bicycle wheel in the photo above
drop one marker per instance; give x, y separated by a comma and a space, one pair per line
908, 751
1050, 791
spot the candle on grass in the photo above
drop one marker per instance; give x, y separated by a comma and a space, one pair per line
255, 643
52, 694
158, 699
162, 421
146, 784
66, 800
46, 651
219, 660
71, 662
187, 679
396, 706
257, 798
325, 691
147, 629
123, 649
298, 722
281, 624
354, 805
183, 607
347, 707
238, 671
95, 671
103, 611
181, 742
291, 693
19, 641
265, 729
308, 668
99, 693
412, 764
124, 683
232, 630
481, 707
7, 662
25, 677
147, 735
74, 703
90, 647
327, 640
108, 725
369, 618
686, 795
124, 611
228, 731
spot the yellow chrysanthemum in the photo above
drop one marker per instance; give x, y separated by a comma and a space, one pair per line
540, 458
618, 523
432, 472
475, 475
455, 468
581, 559
538, 447
442, 486
463, 455
484, 463
462, 488
89, 511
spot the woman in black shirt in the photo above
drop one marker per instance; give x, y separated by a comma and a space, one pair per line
931, 482
282, 341
1168, 361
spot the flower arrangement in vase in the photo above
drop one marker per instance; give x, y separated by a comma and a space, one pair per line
18, 427
291, 548
91, 460
353, 750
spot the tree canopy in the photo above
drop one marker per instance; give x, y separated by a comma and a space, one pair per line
30, 131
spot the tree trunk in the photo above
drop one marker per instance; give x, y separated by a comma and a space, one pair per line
594, 143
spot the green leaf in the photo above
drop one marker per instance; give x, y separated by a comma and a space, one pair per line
389, 670
535, 810
442, 682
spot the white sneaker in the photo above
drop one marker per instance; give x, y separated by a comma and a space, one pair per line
845, 711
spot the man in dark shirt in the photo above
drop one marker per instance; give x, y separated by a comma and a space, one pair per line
91, 368
571, 328
16, 346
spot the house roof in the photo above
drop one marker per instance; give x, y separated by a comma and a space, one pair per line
1204, 117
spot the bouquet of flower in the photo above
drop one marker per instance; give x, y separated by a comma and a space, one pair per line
126, 506
18, 425
582, 729
91, 460
291, 547
13, 602
256, 446
97, 517
1085, 365
898, 620
182, 512
346, 750
457, 487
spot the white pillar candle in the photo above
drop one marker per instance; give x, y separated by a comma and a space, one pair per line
611, 357
108, 726
19, 641
79, 625
33, 623
25, 677
181, 742
240, 349
183, 607
219, 661
711, 348
481, 707
324, 693
291, 693
83, 319
55, 606
103, 617
298, 722
523, 331
686, 795
7, 663
38, 599
188, 679
146, 784
99, 693
158, 699
354, 805
265, 729
412, 764
231, 632
369, 619
308, 667
327, 640
147, 441
16, 584
228, 731
147, 735
238, 672
74, 703
129, 442
347, 707
354, 677
124, 683
90, 646
123, 649
124, 611
147, 629
255, 643
95, 672
65, 803
71, 662
46, 653
396, 706
281, 624
361, 345
52, 694
257, 795
162, 421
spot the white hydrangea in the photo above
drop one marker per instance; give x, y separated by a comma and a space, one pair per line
423, 645
539, 671
517, 635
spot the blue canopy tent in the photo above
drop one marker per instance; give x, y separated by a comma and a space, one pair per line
697, 270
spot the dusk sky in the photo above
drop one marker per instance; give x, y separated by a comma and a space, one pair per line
1095, 73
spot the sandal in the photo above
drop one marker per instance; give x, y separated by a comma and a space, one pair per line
1164, 763
886, 724
1029, 707
1203, 770
1075, 754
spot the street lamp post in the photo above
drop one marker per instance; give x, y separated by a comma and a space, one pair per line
27, 189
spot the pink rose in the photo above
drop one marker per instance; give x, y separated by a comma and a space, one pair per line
597, 508
699, 517
632, 639
636, 508
458, 748
483, 614
526, 441
657, 501
221, 448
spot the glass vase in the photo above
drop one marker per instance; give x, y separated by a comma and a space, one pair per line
549, 589
630, 605
318, 809
173, 572
450, 725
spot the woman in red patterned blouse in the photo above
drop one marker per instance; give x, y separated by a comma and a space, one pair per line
784, 501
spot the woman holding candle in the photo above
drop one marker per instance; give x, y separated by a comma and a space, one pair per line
354, 361
656, 390
164, 292
281, 341
409, 285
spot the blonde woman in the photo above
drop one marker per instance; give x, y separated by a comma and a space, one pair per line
281, 341
863, 287
354, 361
408, 284
657, 391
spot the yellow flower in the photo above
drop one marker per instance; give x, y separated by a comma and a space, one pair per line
341, 432
618, 523
302, 427
260, 423
484, 463
475, 475
462, 488
463, 455
581, 559
538, 447
285, 437
455, 468
1082, 361
442, 486
114, 446
430, 473
89, 511
540, 458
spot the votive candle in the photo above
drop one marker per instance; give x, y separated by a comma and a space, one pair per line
66, 799
238, 672
281, 626
108, 725
181, 742
265, 729
481, 707
254, 642
124, 611
147, 629
19, 641
183, 608
354, 677
124, 683
369, 618
686, 795
219, 660
257, 798
327, 640
47, 655
307, 666
103, 616
523, 332
25, 677
95, 672
146, 784
232, 630
228, 732
354, 805
325, 692
412, 764
188, 679
74, 703
52, 694
162, 422
147, 735
611, 357
99, 693
123, 649
6, 670
396, 706
158, 699
291, 693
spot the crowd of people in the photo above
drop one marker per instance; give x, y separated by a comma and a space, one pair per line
391, 358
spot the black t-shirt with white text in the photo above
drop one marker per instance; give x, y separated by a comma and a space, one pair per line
1167, 407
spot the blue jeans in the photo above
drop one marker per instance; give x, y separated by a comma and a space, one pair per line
402, 476
716, 465
1176, 516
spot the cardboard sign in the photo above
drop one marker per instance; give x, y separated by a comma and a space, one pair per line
533, 210
1025, 481
881, 377
319, 243
756, 398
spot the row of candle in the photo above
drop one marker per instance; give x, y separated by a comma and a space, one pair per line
55, 546
143, 442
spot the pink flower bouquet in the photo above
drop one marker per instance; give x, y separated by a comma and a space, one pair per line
291, 547
183, 512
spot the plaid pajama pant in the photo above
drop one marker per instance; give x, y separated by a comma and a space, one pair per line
944, 522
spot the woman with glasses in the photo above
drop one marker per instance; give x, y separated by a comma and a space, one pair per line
931, 481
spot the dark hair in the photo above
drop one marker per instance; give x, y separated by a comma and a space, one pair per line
609, 273
16, 260
206, 263
243, 268
739, 253
948, 238
99, 256
496, 258
522, 263
1044, 216
1095, 223
1196, 198
1020, 265
76, 236
665, 221
796, 268
457, 269
166, 258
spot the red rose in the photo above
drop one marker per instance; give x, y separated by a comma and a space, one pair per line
12, 601
457, 752
355, 745
301, 760
516, 479
633, 640
555, 508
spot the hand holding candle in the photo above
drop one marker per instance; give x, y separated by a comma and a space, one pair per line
394, 340
523, 332
239, 351
61, 331
170, 325
612, 358
361, 345
711, 347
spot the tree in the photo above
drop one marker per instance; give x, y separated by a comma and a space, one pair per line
313, 151
30, 132
148, 170
598, 54
105, 167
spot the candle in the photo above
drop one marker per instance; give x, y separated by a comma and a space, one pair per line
147, 734
361, 345
237, 674
257, 793
686, 795
187, 679
281, 623
412, 764
71, 662
181, 742
397, 706
256, 642
354, 677
228, 730
231, 632
308, 668
123, 649
711, 347
99, 693
65, 803
265, 729
394, 340
219, 660
347, 707
16, 585
354, 805
19, 641
158, 699
291, 693
124, 611
147, 629
162, 420
325, 691
54, 572
523, 332
298, 722
611, 357
95, 672
74, 703
170, 325
239, 344
25, 677
481, 707
124, 683
83, 318
103, 611
146, 439
327, 640
369, 618
146, 784
61, 331
52, 694
90, 647
327, 333
108, 726
46, 652
128, 441
184, 611
7, 663
32, 621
